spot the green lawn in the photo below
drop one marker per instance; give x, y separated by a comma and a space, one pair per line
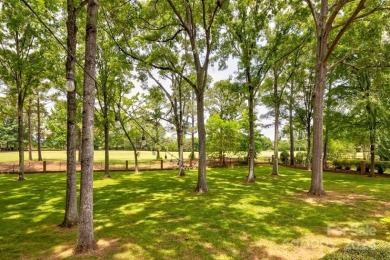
156, 215
115, 156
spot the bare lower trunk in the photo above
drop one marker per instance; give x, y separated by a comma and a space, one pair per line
316, 187
291, 126
86, 241
39, 136
20, 137
326, 141
372, 152
181, 154
202, 184
29, 130
309, 149
192, 132
251, 150
275, 163
71, 217
106, 146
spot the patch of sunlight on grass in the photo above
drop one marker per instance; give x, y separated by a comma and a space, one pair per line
132, 208
14, 216
133, 251
63, 251
106, 225
105, 182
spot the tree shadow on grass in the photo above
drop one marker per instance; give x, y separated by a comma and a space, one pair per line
158, 215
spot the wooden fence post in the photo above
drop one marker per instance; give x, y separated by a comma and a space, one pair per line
44, 166
127, 165
162, 164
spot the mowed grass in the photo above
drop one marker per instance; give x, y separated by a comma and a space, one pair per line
157, 215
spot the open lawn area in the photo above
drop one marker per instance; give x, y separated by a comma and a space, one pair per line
157, 215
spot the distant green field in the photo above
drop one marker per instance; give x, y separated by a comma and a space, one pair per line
115, 156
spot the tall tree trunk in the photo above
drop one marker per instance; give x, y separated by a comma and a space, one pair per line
317, 187
202, 184
71, 217
20, 134
372, 143
275, 163
309, 148
291, 125
251, 150
29, 130
180, 147
39, 132
192, 131
106, 147
326, 144
86, 241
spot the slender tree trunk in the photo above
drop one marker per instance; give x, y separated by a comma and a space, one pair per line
20, 135
372, 145
180, 145
326, 143
106, 146
39, 134
309, 148
192, 131
71, 217
275, 163
291, 125
132, 145
251, 150
317, 187
202, 184
29, 131
86, 241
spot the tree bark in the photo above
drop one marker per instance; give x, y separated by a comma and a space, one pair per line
202, 184
251, 150
29, 130
180, 136
86, 241
317, 187
39, 134
275, 163
20, 133
291, 125
71, 217
106, 135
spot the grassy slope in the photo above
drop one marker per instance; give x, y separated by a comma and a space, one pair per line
157, 215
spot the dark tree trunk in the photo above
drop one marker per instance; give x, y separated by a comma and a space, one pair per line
291, 125
202, 184
251, 149
180, 137
20, 134
71, 217
317, 187
275, 163
106, 134
29, 131
326, 143
309, 149
192, 131
86, 241
106, 147
39, 136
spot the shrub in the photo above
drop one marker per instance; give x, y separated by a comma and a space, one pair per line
284, 156
301, 157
